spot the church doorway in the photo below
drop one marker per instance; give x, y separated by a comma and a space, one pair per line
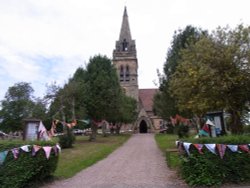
143, 127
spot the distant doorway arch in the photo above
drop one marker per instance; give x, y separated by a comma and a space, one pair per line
143, 127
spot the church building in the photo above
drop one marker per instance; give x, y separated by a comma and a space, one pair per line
126, 63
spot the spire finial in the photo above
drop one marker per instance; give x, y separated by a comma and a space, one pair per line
125, 11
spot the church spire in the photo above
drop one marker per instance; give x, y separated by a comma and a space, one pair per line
125, 46
125, 30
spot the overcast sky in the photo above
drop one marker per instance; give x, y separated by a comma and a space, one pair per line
42, 41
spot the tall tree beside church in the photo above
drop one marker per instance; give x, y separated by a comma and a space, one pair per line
127, 112
164, 103
67, 102
102, 91
214, 74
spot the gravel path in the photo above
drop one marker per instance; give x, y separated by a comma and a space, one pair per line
137, 164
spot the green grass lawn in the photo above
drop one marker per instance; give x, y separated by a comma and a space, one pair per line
167, 142
85, 154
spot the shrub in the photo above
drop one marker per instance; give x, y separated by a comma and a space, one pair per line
209, 169
26, 169
182, 130
67, 140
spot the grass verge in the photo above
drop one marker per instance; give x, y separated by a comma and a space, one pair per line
85, 154
166, 143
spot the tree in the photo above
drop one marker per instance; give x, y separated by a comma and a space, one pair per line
102, 91
127, 112
214, 74
67, 102
17, 105
164, 102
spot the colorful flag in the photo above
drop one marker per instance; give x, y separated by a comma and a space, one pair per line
199, 147
47, 150
233, 148
187, 146
42, 132
244, 148
3, 156
221, 149
15, 152
35, 149
25, 148
59, 148
211, 147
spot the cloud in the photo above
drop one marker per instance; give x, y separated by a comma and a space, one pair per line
45, 41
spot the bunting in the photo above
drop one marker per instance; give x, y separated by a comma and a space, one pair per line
199, 147
233, 148
3, 156
42, 132
26, 148
47, 150
211, 147
15, 152
219, 149
59, 148
187, 146
244, 148
35, 149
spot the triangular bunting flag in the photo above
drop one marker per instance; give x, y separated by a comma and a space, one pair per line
199, 147
25, 148
59, 148
15, 152
211, 147
3, 156
187, 146
47, 150
221, 149
35, 149
233, 148
244, 148
177, 143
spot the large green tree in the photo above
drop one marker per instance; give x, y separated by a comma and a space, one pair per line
17, 105
102, 91
214, 74
127, 112
164, 102
67, 102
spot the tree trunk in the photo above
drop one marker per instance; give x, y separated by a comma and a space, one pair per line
73, 109
118, 128
92, 136
104, 129
236, 124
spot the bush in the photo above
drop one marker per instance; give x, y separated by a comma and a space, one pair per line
246, 129
67, 140
209, 169
182, 130
26, 169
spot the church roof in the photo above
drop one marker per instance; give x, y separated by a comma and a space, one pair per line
125, 30
146, 97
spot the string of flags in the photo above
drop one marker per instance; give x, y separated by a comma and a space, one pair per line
30, 149
217, 149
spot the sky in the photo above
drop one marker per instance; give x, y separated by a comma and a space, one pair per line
45, 41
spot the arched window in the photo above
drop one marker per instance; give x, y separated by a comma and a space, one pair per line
127, 73
121, 74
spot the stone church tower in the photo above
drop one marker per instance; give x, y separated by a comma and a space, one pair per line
126, 64
125, 60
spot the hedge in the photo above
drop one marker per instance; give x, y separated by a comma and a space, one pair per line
26, 169
209, 169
